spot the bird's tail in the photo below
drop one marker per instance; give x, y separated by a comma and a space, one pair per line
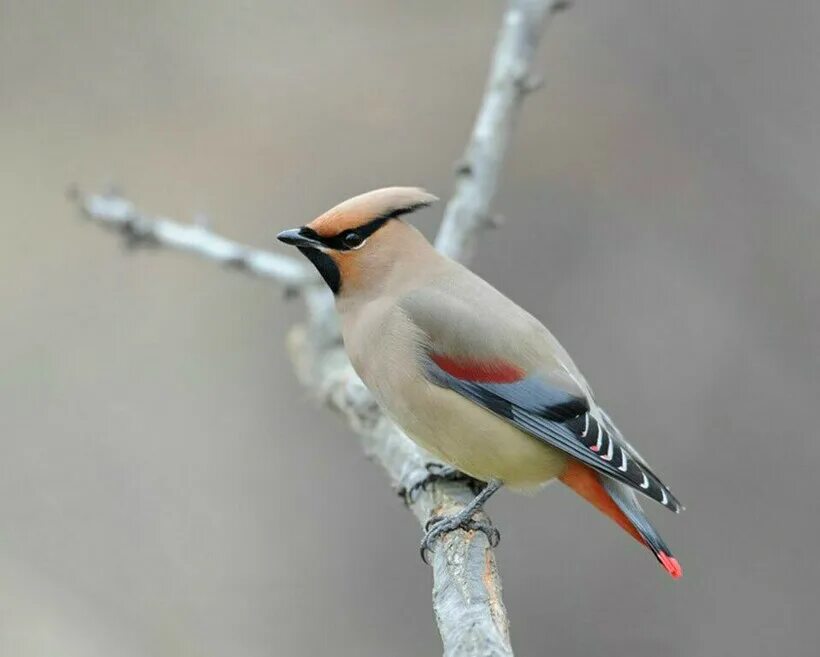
619, 503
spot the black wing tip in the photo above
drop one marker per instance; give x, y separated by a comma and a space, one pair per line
592, 432
661, 494
674, 502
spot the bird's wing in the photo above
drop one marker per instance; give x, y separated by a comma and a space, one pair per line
498, 359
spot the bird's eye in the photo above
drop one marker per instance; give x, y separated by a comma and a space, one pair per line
352, 239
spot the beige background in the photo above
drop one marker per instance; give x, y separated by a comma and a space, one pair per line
166, 487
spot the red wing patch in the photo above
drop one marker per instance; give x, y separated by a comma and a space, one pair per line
479, 371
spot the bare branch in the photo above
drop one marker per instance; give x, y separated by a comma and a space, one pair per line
467, 600
139, 230
509, 81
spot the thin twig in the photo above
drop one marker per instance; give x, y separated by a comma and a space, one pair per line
140, 230
478, 172
467, 600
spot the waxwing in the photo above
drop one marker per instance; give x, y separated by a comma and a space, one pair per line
466, 373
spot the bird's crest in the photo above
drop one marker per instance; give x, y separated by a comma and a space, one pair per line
379, 204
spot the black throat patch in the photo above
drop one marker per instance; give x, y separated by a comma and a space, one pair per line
327, 268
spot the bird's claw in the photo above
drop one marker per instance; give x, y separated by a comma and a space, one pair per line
491, 532
437, 526
435, 472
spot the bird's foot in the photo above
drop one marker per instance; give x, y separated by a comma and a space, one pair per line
437, 526
440, 525
437, 472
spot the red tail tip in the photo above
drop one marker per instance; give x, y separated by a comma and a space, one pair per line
671, 564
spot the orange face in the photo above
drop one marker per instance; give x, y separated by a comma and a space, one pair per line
332, 241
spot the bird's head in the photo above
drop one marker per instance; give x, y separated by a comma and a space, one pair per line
358, 239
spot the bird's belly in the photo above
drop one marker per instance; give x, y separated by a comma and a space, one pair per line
452, 428
476, 441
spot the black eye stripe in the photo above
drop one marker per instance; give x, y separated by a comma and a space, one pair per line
304, 231
371, 227
338, 242
326, 267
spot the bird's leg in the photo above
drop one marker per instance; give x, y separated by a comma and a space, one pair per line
437, 472
439, 525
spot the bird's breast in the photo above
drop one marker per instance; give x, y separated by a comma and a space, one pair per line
384, 348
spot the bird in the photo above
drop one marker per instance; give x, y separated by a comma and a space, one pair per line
469, 375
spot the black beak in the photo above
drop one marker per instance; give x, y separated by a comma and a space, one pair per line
294, 237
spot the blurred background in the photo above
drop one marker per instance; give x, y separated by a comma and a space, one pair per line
166, 486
